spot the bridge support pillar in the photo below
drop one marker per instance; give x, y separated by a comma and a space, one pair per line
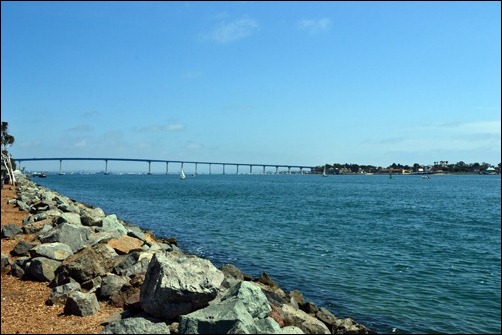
237, 169
263, 169
209, 168
106, 166
289, 169
60, 166
223, 168
167, 167
195, 169
250, 169
149, 167
276, 169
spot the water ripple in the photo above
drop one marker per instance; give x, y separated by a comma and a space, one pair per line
395, 254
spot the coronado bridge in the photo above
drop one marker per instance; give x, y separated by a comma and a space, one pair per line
177, 162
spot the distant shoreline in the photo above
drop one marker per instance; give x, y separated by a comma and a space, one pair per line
52, 173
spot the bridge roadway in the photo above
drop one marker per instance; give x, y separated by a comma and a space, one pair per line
150, 161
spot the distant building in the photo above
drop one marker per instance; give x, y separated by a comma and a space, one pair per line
489, 170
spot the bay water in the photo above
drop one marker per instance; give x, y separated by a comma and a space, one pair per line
401, 254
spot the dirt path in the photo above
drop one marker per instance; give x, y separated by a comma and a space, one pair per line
23, 302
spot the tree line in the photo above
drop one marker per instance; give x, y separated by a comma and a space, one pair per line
437, 167
8, 164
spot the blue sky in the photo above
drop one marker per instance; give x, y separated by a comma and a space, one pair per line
303, 83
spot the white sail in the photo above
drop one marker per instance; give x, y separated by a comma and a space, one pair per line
324, 172
182, 174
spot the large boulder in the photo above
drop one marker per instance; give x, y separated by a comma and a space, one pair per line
74, 235
56, 250
177, 284
86, 264
91, 216
242, 310
42, 268
81, 304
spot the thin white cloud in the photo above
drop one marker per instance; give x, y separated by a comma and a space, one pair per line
113, 136
464, 138
315, 26
450, 125
491, 127
175, 127
80, 144
30, 144
162, 128
230, 31
194, 145
82, 128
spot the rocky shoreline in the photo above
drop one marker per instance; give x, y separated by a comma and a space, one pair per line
86, 255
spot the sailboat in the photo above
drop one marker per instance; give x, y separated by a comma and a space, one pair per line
182, 174
324, 172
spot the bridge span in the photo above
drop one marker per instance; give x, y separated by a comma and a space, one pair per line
181, 163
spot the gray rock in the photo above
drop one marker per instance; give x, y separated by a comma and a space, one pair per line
5, 263
306, 322
252, 297
60, 294
23, 206
326, 316
71, 218
232, 275
291, 330
11, 230
128, 296
349, 326
16, 270
137, 325
42, 268
111, 284
39, 217
76, 236
22, 248
296, 299
44, 230
81, 304
110, 223
125, 261
91, 216
31, 228
87, 264
218, 319
178, 284
56, 250
242, 310
136, 232
92, 285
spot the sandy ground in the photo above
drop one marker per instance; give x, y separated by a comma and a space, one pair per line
23, 302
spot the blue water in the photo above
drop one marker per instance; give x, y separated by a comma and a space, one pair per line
418, 255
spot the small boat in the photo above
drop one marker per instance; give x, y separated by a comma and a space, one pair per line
182, 174
324, 172
426, 177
